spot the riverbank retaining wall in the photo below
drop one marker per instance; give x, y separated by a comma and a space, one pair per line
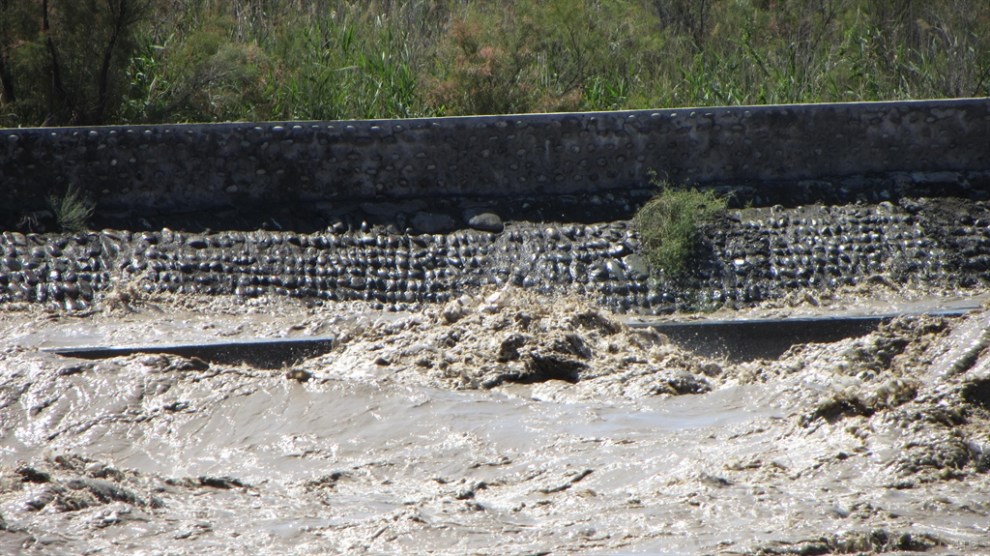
192, 167
753, 255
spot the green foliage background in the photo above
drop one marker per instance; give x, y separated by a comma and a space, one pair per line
155, 61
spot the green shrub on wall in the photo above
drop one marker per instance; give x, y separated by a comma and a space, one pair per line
670, 227
72, 210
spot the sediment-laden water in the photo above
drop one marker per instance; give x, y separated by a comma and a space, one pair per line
501, 422
481, 397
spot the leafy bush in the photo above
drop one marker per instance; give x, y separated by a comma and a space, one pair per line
670, 227
485, 77
541, 56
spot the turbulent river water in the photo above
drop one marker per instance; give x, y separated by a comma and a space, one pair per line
500, 423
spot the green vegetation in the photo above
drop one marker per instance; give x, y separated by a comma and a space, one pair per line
82, 62
671, 224
72, 211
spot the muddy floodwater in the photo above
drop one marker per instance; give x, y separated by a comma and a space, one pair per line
502, 422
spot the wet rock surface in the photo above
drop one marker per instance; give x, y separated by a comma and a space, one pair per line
752, 256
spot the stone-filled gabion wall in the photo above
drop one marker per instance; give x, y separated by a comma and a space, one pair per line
753, 255
152, 169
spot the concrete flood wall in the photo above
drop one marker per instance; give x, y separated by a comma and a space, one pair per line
778, 152
144, 169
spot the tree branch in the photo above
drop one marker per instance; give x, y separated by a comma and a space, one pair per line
57, 91
6, 78
119, 18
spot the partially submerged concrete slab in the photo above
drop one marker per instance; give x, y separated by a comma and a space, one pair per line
768, 338
262, 353
735, 340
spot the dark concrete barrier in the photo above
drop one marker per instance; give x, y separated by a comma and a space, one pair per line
267, 354
195, 167
749, 339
